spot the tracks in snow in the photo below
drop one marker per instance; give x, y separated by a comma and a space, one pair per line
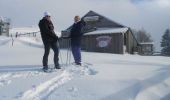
7, 75
43, 90
155, 87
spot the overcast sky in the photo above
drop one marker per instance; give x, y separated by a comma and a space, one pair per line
152, 15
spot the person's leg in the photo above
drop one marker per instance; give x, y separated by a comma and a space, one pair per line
76, 51
78, 55
54, 46
73, 52
46, 53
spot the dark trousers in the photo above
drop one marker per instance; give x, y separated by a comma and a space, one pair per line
47, 46
76, 51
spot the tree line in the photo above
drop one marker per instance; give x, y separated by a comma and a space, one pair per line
165, 43
143, 36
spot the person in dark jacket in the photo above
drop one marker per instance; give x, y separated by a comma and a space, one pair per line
76, 35
49, 39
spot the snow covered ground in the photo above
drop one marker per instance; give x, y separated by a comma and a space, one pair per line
102, 76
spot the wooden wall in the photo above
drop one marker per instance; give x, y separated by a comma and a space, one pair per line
90, 43
132, 42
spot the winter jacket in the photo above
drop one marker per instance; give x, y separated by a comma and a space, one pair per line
76, 33
47, 31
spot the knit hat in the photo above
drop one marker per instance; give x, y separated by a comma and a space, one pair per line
47, 14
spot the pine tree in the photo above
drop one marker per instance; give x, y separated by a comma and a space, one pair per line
165, 43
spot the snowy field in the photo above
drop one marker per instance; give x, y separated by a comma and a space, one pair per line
102, 76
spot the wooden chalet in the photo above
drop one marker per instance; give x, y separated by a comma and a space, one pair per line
104, 35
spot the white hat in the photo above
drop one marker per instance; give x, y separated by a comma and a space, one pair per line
47, 14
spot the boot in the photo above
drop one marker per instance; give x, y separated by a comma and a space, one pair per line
45, 68
57, 66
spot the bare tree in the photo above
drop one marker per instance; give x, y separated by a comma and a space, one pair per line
142, 36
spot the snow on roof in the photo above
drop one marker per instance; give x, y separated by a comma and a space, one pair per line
108, 31
147, 43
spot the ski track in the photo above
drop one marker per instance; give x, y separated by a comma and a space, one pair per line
43, 90
156, 86
6, 77
159, 91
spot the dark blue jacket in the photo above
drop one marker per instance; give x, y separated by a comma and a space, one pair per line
76, 33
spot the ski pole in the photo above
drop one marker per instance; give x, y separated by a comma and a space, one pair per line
67, 52
60, 54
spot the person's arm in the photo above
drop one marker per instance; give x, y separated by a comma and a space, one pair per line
71, 31
50, 30
83, 23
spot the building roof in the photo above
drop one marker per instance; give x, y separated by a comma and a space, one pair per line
108, 31
100, 21
94, 20
147, 43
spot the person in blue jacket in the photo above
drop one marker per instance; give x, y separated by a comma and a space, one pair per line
76, 36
